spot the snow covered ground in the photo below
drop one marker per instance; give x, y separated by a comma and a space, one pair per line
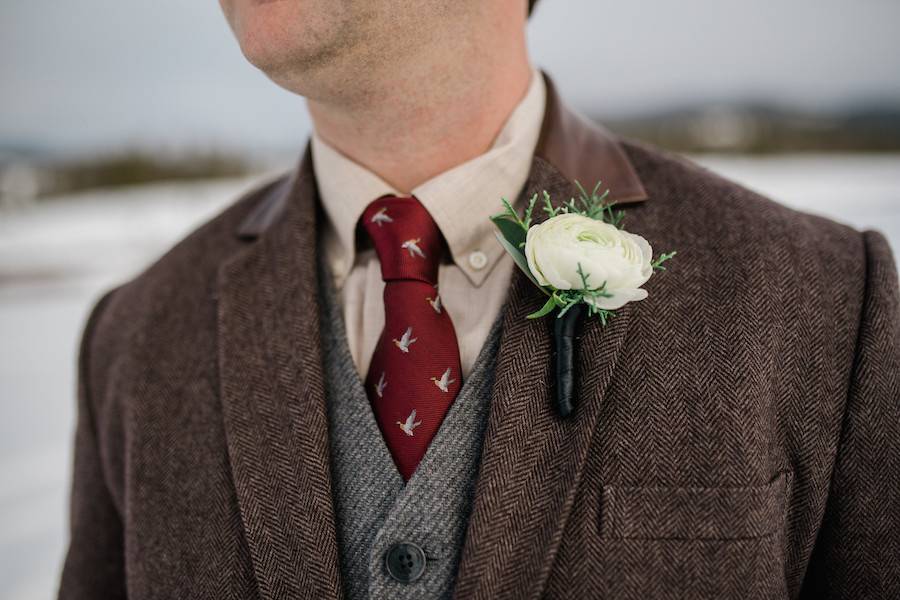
57, 257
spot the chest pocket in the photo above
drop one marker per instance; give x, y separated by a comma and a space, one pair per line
695, 513
695, 542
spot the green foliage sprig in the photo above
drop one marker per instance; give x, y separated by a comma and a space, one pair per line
513, 229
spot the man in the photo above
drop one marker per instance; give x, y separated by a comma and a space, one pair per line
246, 425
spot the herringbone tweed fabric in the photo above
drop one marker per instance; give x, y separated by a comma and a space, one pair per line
373, 506
736, 435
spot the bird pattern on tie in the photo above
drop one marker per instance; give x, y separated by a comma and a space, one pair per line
414, 375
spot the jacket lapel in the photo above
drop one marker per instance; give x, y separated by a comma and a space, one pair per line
273, 395
532, 460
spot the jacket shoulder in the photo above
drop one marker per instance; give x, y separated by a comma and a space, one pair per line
724, 212
202, 250
173, 292
748, 255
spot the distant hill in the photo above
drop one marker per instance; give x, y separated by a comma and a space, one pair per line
760, 128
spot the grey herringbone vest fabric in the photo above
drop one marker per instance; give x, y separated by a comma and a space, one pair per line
373, 507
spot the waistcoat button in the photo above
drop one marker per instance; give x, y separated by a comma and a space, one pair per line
405, 562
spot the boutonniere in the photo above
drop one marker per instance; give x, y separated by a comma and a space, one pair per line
585, 262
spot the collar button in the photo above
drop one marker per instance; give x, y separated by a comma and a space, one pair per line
478, 260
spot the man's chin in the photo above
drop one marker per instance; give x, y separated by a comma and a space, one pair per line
295, 72
272, 52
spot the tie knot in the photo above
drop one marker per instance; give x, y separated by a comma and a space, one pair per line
406, 238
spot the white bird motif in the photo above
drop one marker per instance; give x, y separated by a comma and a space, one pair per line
381, 217
444, 382
404, 342
413, 247
435, 303
379, 387
410, 424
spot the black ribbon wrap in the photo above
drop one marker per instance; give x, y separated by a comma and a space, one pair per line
565, 338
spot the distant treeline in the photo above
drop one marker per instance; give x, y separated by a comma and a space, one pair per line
136, 167
752, 129
27, 177
735, 128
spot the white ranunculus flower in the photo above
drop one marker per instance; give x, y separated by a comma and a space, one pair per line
622, 260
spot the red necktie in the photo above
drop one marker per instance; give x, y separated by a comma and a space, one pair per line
415, 373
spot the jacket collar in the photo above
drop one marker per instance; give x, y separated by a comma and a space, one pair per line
273, 396
578, 148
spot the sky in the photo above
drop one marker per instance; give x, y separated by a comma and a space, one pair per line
112, 73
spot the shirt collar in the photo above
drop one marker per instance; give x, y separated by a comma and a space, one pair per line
461, 200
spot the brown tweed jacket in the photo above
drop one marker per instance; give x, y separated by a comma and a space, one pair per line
737, 434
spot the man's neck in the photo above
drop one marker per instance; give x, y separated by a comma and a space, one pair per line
427, 120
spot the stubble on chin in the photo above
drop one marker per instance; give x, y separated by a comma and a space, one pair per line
313, 60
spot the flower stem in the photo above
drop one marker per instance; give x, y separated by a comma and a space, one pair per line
565, 330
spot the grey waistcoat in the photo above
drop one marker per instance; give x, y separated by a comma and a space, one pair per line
373, 507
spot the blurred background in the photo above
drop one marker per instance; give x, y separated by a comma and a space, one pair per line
123, 125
